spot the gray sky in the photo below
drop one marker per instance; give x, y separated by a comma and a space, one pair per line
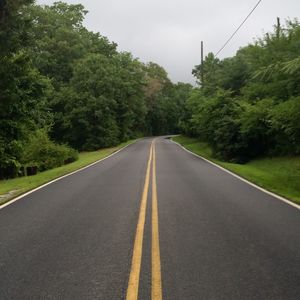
169, 32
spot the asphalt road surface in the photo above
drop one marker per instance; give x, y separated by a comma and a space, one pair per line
151, 222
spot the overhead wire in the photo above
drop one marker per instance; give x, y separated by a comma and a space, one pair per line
239, 27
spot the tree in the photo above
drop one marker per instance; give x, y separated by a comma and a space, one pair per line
247, 105
107, 104
61, 39
23, 90
14, 25
210, 70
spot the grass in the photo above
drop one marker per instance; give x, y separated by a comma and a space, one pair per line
280, 175
12, 188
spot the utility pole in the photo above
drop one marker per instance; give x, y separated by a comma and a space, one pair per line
202, 73
278, 28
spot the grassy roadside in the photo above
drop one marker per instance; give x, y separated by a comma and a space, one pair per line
12, 188
280, 175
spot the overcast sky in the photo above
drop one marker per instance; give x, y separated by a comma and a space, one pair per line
169, 32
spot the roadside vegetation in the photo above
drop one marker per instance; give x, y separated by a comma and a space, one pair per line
65, 89
280, 175
11, 188
245, 113
248, 106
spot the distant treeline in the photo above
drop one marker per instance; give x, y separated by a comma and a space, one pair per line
63, 87
249, 105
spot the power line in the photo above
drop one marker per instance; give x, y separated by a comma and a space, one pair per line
238, 28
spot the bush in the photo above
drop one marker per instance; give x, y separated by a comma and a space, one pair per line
9, 165
285, 121
40, 151
256, 128
217, 122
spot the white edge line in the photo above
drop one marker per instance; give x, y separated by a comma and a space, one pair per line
61, 177
241, 178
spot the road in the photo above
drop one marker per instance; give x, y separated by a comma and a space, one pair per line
151, 222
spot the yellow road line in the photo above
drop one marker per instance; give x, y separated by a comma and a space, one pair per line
133, 284
156, 290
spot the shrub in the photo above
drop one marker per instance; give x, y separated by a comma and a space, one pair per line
217, 122
256, 128
40, 151
285, 121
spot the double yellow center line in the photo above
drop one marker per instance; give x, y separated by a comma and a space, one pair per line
134, 277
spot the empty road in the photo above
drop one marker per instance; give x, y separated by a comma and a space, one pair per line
151, 222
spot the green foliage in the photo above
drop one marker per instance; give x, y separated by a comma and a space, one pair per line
40, 151
60, 39
60, 42
256, 127
257, 112
91, 118
107, 105
211, 70
58, 76
285, 124
165, 101
217, 122
23, 107
14, 26
63, 84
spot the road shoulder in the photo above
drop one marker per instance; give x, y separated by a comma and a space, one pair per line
291, 202
18, 188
